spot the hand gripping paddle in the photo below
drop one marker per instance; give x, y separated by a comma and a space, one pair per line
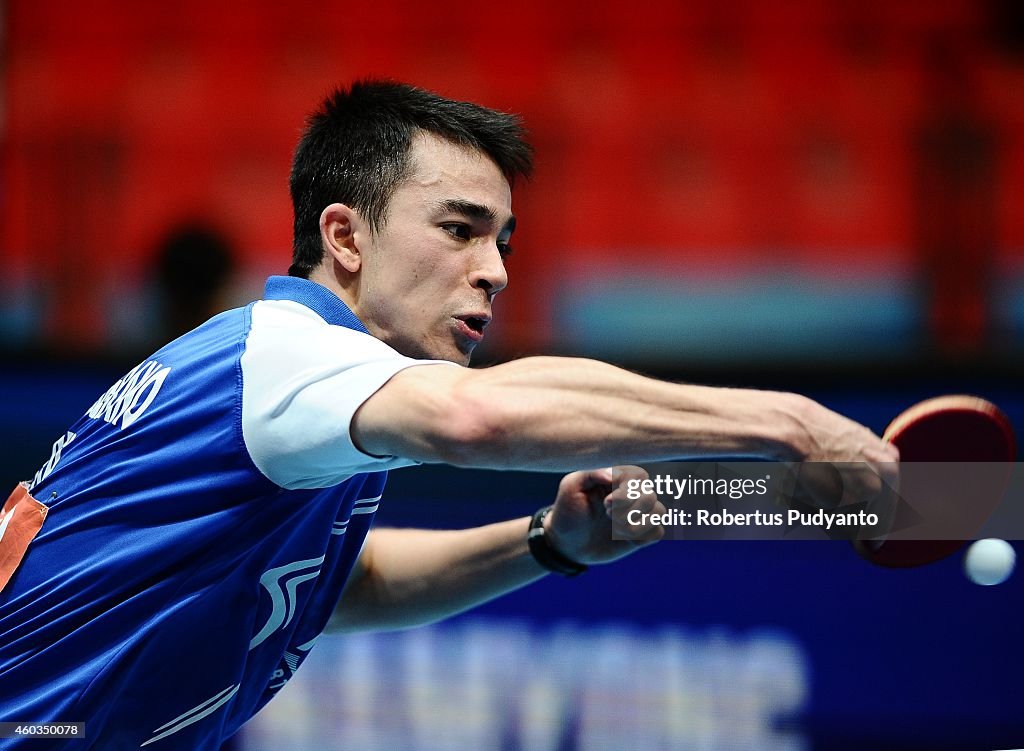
955, 463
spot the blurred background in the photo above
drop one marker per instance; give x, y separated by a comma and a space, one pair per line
818, 196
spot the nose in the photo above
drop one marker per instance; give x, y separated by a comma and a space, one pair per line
489, 273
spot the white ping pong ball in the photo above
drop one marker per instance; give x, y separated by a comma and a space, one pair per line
989, 561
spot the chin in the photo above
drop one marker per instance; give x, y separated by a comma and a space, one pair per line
458, 359
453, 354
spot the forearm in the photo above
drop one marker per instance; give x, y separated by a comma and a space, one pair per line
409, 577
561, 413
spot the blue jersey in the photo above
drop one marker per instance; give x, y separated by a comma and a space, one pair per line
204, 515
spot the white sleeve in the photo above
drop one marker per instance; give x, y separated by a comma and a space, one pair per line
302, 382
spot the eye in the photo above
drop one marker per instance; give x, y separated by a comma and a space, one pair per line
505, 249
458, 231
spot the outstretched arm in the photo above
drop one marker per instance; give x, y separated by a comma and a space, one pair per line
408, 577
556, 413
552, 413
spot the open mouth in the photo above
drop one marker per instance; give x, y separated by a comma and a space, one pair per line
477, 324
473, 326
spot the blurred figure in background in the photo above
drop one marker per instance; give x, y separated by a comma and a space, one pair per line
194, 266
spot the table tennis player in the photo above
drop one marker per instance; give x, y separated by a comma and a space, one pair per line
175, 559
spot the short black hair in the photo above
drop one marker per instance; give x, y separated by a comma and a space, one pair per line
355, 151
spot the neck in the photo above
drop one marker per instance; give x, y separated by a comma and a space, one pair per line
348, 293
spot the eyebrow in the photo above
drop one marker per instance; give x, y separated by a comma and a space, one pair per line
475, 211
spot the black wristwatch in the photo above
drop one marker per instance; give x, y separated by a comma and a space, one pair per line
544, 553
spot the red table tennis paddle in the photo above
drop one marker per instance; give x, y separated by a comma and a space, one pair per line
955, 463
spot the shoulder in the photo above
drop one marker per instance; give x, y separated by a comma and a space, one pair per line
289, 326
303, 379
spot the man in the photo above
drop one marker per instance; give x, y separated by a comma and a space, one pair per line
209, 516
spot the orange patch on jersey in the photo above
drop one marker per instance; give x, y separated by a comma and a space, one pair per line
20, 522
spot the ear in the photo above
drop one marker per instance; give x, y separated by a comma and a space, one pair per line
339, 228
